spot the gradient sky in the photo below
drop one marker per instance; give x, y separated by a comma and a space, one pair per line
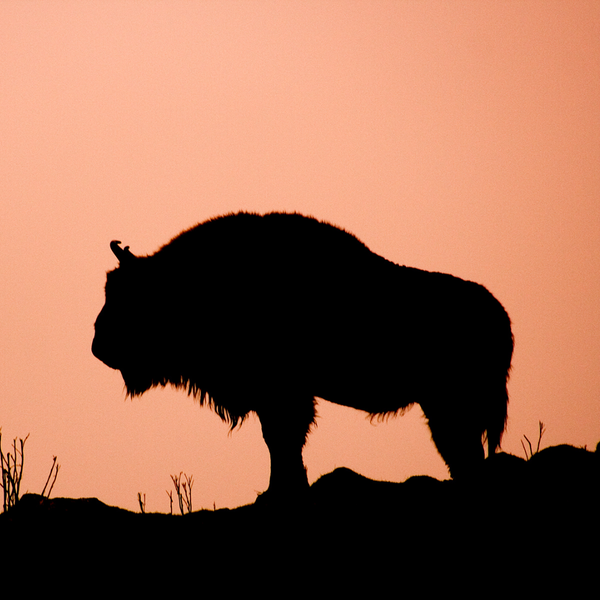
452, 136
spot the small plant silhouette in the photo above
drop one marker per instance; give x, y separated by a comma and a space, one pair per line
53, 471
530, 453
142, 502
12, 471
183, 487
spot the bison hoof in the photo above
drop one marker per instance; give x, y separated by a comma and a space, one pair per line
297, 498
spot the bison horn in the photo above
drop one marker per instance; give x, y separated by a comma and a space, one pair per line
123, 254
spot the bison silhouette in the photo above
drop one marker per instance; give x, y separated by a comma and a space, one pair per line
266, 313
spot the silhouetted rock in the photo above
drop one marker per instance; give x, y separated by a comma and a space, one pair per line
565, 463
552, 494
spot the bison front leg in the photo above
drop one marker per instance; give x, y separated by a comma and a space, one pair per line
285, 426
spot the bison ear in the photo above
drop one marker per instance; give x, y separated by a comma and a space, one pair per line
123, 254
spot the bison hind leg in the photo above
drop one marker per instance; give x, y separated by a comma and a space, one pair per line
459, 440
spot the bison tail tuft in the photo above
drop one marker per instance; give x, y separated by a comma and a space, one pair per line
496, 421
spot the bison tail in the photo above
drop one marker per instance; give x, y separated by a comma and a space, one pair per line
496, 424
497, 415
498, 408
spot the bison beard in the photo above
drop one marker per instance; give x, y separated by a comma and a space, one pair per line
263, 314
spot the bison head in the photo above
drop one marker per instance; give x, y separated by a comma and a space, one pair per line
124, 336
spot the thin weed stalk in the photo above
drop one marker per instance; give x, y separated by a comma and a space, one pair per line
53, 471
12, 471
183, 488
530, 453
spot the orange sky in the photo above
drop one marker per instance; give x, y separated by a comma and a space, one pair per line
453, 136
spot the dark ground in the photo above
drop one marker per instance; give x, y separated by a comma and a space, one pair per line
524, 523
